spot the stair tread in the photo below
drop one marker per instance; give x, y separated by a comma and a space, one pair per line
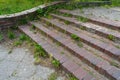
89, 39
95, 36
92, 59
111, 24
63, 58
93, 27
94, 51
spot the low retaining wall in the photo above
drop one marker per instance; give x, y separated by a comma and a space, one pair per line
95, 3
10, 20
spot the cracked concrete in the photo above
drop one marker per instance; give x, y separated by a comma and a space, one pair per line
19, 65
100, 12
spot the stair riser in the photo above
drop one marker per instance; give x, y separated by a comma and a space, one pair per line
95, 22
99, 69
61, 66
116, 39
85, 41
62, 61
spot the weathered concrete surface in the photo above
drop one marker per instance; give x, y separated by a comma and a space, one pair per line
19, 65
100, 12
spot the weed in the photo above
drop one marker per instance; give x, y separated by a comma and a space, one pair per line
114, 64
80, 44
17, 43
82, 19
37, 60
58, 44
49, 17
107, 6
23, 37
71, 77
111, 37
62, 52
39, 51
33, 27
67, 15
14, 27
75, 37
11, 35
117, 46
23, 21
53, 76
83, 28
1, 37
67, 22
56, 63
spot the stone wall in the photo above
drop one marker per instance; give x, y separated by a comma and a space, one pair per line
14, 19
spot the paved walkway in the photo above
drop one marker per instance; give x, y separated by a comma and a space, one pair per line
101, 12
19, 65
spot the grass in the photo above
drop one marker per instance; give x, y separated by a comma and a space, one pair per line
82, 19
11, 35
13, 6
53, 76
1, 37
75, 37
111, 37
39, 51
56, 63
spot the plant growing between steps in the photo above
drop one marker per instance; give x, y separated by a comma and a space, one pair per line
75, 37
67, 22
71, 77
82, 19
53, 76
11, 35
111, 37
39, 51
56, 63
82, 28
1, 37
23, 37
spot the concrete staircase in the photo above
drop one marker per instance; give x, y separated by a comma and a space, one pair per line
84, 49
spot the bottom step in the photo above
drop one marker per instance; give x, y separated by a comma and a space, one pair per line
66, 62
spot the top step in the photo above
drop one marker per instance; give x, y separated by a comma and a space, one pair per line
102, 22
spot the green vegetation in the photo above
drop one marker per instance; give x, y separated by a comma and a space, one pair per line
1, 37
53, 76
23, 37
39, 51
82, 19
114, 64
111, 37
13, 6
16, 43
75, 37
11, 35
71, 77
115, 2
56, 63
67, 22
80, 44
82, 28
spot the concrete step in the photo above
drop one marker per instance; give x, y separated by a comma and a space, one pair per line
96, 63
102, 22
107, 48
104, 32
69, 63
